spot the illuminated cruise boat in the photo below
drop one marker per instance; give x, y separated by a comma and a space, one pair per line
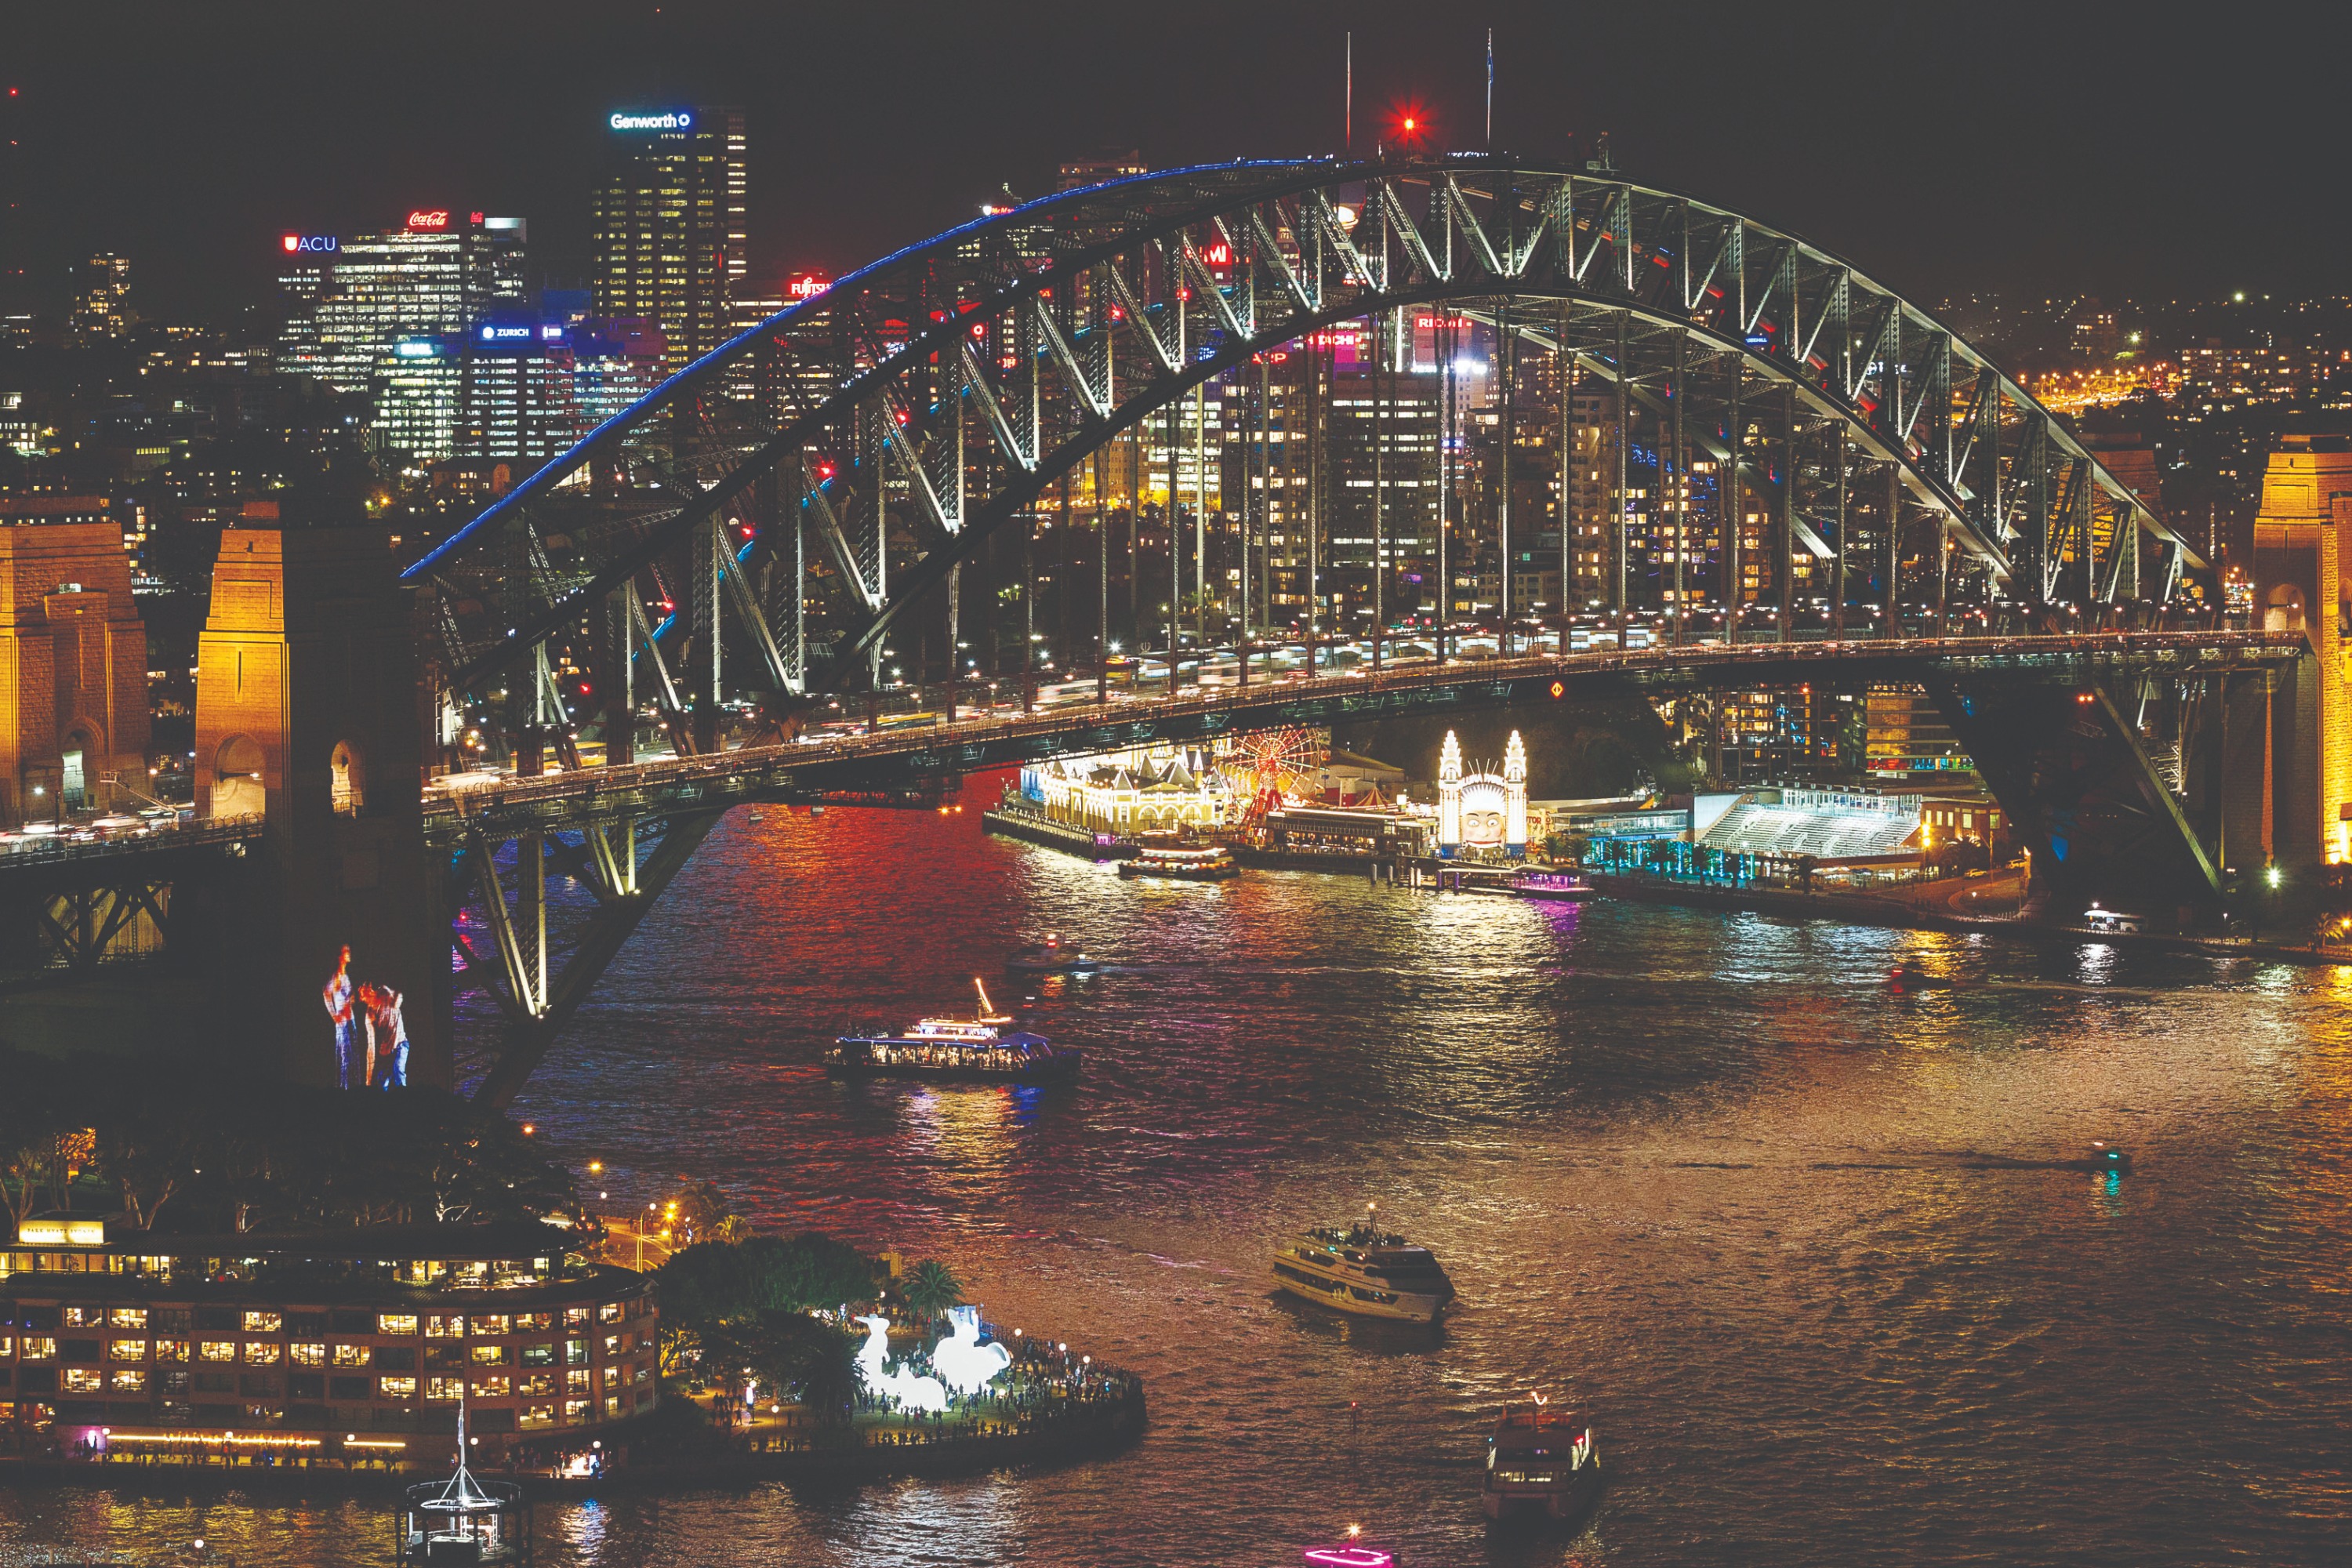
1361, 1270
1539, 1460
1210, 863
975, 1049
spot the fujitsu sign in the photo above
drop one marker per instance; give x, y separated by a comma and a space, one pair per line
655, 120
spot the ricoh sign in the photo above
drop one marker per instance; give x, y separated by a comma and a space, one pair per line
652, 119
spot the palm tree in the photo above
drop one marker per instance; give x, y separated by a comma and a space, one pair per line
930, 1289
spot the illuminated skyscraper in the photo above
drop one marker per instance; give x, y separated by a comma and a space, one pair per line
417, 384
670, 221
516, 398
1112, 164
352, 302
101, 305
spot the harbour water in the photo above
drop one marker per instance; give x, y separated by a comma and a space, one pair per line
1700, 1176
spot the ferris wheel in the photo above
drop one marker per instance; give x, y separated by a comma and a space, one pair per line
1267, 767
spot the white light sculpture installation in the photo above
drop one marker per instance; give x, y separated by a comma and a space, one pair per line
874, 1374
962, 1363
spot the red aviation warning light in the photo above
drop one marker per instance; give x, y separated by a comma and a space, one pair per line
1408, 124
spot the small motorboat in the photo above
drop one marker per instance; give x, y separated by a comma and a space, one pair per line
1910, 979
1052, 956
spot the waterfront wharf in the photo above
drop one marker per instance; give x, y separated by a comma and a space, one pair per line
1865, 909
1080, 1417
1037, 827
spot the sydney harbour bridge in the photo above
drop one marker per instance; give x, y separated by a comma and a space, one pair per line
696, 607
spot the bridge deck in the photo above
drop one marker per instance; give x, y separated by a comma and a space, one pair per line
900, 756
890, 764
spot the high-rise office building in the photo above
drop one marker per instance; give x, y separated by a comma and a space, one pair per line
418, 385
670, 224
102, 302
613, 365
351, 301
515, 384
1382, 442
1112, 164
516, 396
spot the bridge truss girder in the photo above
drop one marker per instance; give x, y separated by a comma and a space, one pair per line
906, 416
536, 978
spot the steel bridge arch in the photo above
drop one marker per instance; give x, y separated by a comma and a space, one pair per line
1101, 307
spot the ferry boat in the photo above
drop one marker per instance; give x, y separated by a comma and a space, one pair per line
1052, 956
1362, 1269
978, 1048
1208, 863
1538, 1459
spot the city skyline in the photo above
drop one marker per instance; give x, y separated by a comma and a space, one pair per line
1935, 157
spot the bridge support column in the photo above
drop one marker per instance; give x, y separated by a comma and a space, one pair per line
2301, 536
2098, 820
614, 680
307, 711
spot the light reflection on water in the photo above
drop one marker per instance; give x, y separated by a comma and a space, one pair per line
1701, 1175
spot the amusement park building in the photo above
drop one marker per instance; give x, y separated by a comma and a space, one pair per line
1160, 787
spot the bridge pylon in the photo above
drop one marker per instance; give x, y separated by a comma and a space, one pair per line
2304, 721
308, 716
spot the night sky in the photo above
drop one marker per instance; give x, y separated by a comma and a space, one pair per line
2050, 148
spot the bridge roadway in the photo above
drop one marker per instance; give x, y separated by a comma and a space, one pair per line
899, 765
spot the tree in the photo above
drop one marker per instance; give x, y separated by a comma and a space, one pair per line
931, 1288
704, 1216
735, 1303
145, 1142
707, 1282
780, 1349
807, 1272
1959, 856
31, 1122
828, 1372
2332, 911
